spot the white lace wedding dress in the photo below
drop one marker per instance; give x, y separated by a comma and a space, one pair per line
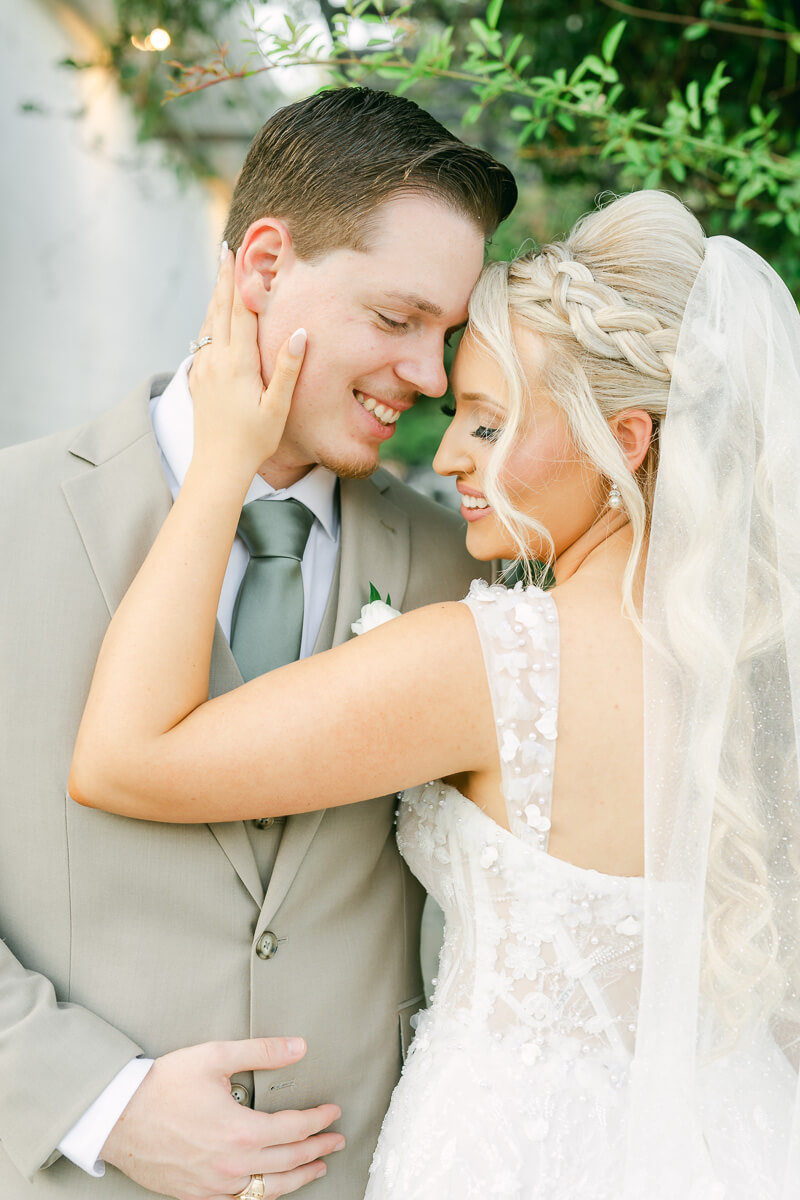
516, 1083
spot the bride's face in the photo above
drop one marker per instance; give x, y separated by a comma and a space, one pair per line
544, 477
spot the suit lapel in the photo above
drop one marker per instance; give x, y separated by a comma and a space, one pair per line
119, 508
374, 548
232, 835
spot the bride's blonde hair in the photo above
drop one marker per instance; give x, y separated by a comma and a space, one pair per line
609, 301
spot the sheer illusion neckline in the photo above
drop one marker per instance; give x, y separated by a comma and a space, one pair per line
520, 636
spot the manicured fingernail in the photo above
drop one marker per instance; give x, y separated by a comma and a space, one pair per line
297, 342
223, 252
321, 1172
339, 1145
295, 1046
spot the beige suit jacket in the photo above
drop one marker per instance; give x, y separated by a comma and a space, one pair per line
122, 937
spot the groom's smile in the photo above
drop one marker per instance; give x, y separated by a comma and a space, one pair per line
385, 412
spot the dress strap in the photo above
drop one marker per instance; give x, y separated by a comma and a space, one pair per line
518, 630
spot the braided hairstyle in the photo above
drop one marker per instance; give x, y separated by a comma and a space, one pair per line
609, 301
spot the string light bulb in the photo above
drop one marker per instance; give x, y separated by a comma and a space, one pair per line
157, 39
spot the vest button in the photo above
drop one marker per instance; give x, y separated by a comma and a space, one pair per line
264, 822
267, 945
240, 1093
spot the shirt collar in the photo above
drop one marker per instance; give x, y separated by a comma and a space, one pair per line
172, 415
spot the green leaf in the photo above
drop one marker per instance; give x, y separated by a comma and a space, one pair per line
493, 13
593, 63
389, 600
472, 114
513, 46
520, 113
692, 32
611, 41
374, 594
482, 31
678, 169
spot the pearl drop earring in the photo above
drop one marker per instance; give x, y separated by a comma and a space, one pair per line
614, 497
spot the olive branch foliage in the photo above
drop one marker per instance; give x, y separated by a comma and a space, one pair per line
688, 142
699, 97
585, 121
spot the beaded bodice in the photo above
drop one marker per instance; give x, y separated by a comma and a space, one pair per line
543, 955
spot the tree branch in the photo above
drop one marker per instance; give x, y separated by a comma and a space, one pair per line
676, 19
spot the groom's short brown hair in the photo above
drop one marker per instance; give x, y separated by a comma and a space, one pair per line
325, 164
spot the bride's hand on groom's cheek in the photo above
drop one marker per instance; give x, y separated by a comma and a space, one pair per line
184, 1135
238, 423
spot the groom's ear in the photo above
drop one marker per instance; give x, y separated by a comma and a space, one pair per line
266, 250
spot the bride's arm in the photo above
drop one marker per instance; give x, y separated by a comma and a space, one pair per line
403, 704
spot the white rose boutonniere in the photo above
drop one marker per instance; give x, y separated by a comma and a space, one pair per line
376, 613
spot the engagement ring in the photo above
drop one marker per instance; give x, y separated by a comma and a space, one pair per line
195, 346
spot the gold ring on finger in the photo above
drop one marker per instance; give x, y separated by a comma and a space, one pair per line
256, 1188
194, 347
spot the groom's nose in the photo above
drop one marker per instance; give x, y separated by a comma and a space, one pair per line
424, 370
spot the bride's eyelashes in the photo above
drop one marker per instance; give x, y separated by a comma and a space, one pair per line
486, 433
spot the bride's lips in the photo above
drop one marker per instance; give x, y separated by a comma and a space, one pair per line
474, 505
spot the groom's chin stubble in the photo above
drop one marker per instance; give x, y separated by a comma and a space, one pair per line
352, 467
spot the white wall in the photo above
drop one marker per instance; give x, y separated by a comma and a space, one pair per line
107, 260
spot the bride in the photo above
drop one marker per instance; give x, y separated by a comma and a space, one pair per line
599, 782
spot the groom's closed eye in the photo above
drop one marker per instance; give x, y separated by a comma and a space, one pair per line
390, 324
394, 326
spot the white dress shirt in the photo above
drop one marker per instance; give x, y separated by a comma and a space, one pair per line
172, 415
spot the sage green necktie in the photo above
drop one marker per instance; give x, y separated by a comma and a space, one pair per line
267, 621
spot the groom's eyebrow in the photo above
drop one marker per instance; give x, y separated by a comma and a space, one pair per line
418, 302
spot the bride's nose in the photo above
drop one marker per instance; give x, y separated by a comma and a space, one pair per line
452, 457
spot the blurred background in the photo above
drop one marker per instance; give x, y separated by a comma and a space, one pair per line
114, 200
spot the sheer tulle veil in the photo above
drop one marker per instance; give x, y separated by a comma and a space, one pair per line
719, 1026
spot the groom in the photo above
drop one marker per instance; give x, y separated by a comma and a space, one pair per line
123, 942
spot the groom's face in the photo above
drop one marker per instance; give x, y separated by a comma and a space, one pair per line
377, 321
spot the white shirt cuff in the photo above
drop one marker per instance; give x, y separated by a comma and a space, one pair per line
83, 1143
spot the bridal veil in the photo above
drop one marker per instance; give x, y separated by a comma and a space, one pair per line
714, 1107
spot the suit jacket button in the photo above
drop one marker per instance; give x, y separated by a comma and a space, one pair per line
264, 822
267, 945
240, 1093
